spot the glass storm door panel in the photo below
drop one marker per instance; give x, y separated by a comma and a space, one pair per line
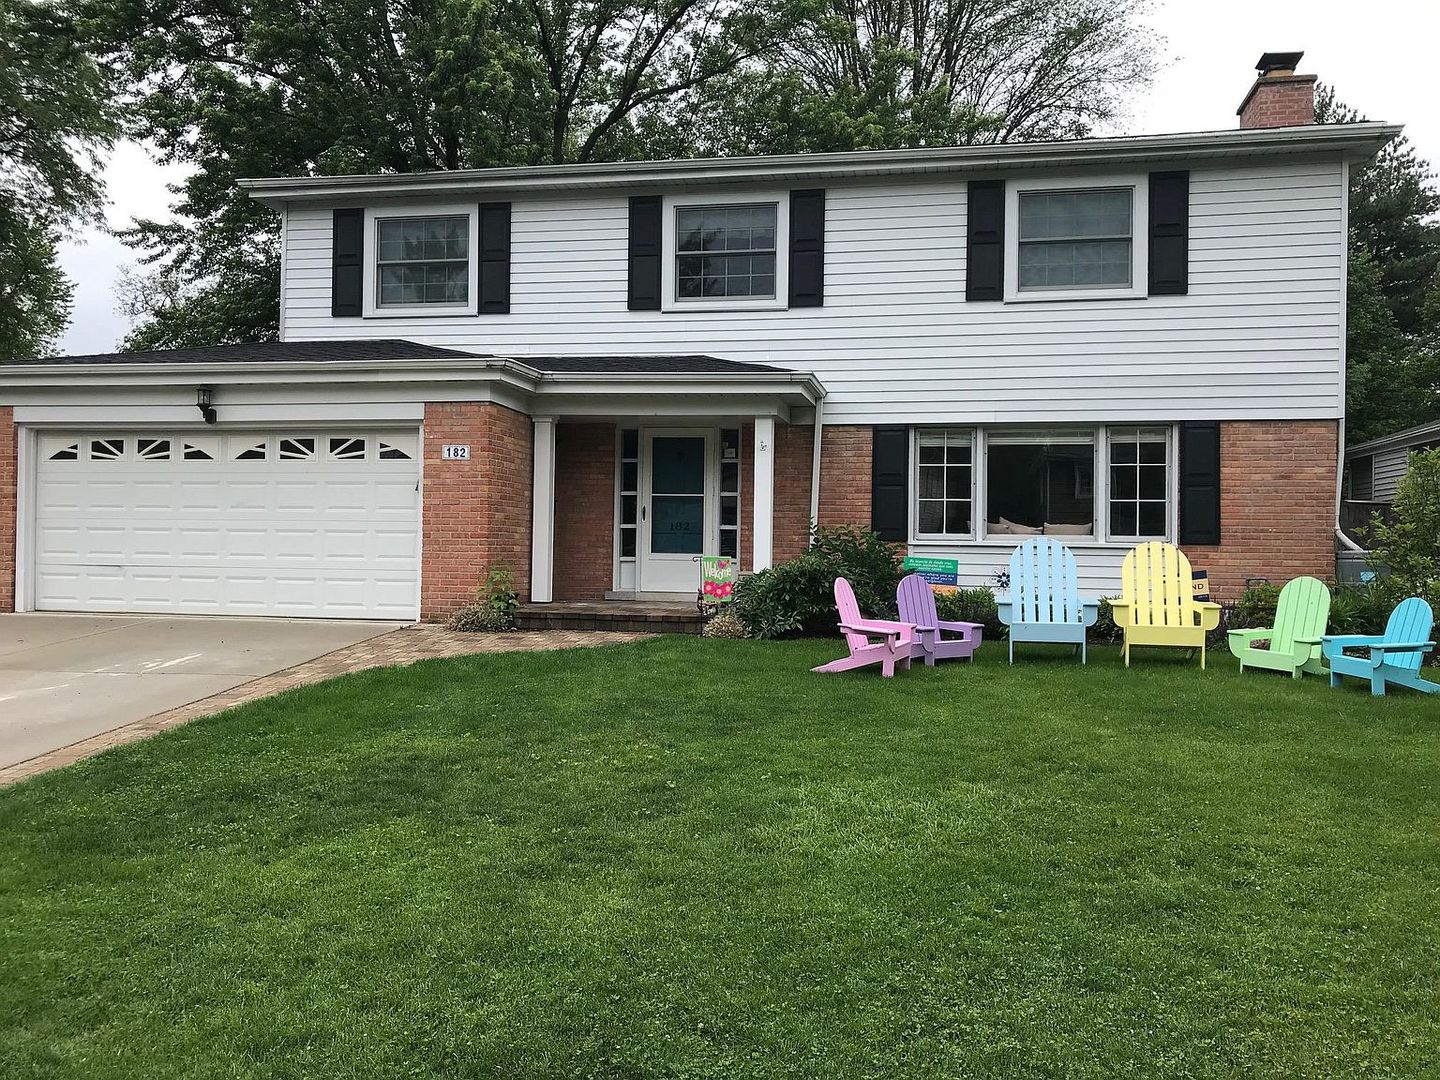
677, 515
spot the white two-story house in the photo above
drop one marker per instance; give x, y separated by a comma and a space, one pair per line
594, 373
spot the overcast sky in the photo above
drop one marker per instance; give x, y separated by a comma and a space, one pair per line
1376, 55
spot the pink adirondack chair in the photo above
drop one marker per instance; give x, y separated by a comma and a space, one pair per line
871, 641
917, 605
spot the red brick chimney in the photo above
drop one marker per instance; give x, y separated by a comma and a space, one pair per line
1279, 98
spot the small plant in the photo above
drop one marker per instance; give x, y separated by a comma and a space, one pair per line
1255, 608
1106, 629
972, 605
727, 624
495, 606
1409, 546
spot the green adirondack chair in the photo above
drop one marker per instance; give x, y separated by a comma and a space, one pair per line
1300, 618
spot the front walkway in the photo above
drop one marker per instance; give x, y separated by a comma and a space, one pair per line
397, 648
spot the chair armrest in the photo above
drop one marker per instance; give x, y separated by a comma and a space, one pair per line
1209, 614
1403, 646
1004, 608
1309, 640
1089, 610
961, 626
1346, 641
881, 628
1245, 637
1121, 611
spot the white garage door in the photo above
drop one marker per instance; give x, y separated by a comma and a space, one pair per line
292, 522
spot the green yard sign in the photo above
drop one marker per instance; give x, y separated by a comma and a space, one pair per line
935, 571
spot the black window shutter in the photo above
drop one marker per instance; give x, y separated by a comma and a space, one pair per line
1169, 233
644, 294
890, 482
985, 240
347, 258
494, 258
807, 248
1200, 482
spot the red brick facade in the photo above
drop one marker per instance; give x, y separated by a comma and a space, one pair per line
845, 456
1277, 504
8, 508
476, 513
1279, 101
584, 510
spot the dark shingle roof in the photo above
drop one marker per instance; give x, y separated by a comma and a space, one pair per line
693, 364
273, 351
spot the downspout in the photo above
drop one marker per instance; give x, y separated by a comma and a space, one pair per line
1345, 541
815, 467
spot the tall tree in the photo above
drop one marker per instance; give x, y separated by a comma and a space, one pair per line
1393, 314
53, 126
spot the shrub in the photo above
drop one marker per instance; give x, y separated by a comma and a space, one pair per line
1363, 608
1409, 546
726, 624
495, 606
1106, 629
799, 596
1255, 608
972, 605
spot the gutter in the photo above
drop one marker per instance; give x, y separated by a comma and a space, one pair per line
1356, 141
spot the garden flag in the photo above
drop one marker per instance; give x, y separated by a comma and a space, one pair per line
717, 579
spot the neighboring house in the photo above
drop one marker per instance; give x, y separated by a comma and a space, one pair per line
594, 373
1374, 469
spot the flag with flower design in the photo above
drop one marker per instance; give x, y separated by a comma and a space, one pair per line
717, 579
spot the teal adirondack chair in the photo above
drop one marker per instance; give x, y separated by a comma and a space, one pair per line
1300, 617
1044, 602
1395, 656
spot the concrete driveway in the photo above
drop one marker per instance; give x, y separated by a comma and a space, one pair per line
64, 678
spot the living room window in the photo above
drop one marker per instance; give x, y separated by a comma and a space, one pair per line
422, 261
1139, 483
1040, 482
945, 483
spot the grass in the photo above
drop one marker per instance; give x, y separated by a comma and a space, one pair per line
688, 858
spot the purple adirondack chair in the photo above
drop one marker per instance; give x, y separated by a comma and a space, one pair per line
917, 606
893, 647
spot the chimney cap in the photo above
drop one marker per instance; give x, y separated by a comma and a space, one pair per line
1278, 63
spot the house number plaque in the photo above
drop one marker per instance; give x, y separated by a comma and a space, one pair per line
455, 453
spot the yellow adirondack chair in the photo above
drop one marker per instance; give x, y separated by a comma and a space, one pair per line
1158, 605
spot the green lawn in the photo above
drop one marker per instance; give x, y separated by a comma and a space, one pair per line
688, 858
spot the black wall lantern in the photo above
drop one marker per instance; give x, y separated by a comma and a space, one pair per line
202, 402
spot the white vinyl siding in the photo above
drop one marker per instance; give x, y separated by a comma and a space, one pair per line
1258, 336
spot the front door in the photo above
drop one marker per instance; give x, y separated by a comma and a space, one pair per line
677, 511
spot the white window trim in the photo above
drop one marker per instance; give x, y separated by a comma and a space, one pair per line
671, 204
979, 513
370, 282
1139, 183
944, 538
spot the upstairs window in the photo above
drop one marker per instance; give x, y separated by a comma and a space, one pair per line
423, 261
1075, 240
725, 252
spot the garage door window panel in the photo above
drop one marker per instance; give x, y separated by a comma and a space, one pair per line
107, 449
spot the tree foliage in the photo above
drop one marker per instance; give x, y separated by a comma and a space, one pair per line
53, 126
1393, 295
267, 87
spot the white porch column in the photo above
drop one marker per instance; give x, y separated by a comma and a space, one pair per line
542, 522
762, 528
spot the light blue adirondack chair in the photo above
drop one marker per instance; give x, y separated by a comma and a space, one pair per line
1045, 603
1395, 656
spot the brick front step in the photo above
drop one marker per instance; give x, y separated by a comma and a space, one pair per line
625, 616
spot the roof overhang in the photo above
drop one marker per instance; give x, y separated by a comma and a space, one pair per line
1355, 142
1421, 433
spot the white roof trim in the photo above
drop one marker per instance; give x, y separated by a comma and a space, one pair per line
1354, 141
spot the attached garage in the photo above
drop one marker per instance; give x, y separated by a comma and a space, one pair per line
295, 521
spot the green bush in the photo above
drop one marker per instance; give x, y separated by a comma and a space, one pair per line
799, 596
1409, 546
975, 606
495, 606
726, 624
1105, 629
1255, 608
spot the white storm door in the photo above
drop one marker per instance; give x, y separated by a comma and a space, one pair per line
678, 513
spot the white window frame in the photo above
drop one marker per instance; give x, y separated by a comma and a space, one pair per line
1100, 538
371, 277
1170, 478
1138, 183
915, 435
672, 204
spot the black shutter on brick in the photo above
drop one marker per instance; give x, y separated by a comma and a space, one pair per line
1169, 233
985, 240
890, 482
347, 258
807, 248
644, 292
494, 258
1200, 482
